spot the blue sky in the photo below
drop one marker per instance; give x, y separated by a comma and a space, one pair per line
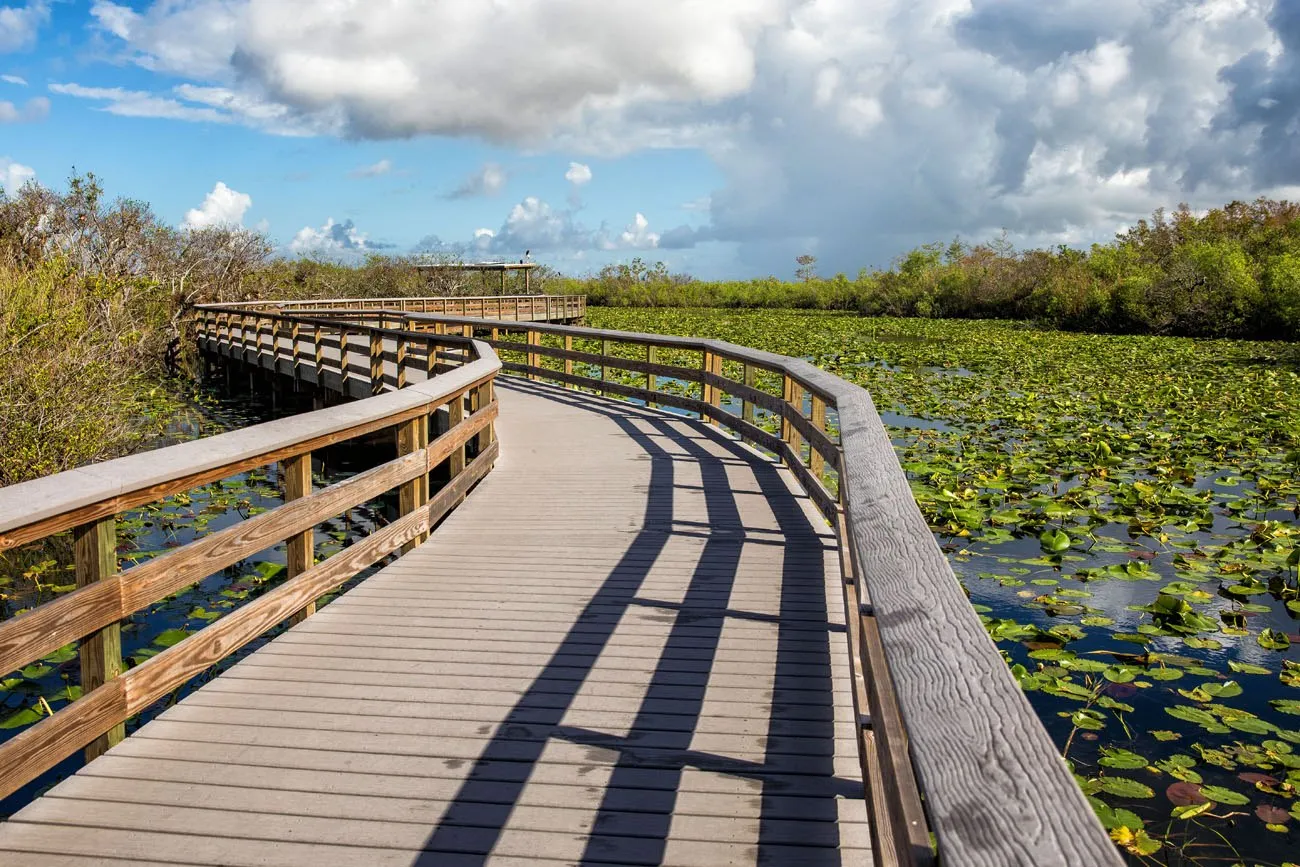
724, 138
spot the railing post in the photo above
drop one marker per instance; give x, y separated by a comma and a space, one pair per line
318, 356
343, 361
816, 462
295, 333
376, 362
277, 334
412, 436
534, 338
606, 349
793, 394
568, 362
751, 380
301, 547
651, 381
95, 559
479, 398
401, 362
710, 364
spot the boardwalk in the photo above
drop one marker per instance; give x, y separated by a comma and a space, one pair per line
616, 651
615, 635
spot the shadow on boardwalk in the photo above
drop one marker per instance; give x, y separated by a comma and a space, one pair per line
795, 782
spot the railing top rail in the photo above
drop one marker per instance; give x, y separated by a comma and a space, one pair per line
40, 499
285, 304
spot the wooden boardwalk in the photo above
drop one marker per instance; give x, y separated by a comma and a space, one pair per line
625, 647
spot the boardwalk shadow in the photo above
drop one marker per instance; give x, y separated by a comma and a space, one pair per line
792, 780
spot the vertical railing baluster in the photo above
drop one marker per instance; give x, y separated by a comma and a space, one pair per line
568, 362
606, 350
651, 381
94, 551
301, 546
376, 362
816, 462
747, 406
413, 436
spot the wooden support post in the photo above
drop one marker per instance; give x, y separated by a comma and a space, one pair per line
534, 338
318, 353
568, 362
376, 362
527, 274
277, 334
479, 398
816, 462
606, 350
710, 364
793, 393
651, 381
302, 547
430, 359
401, 362
413, 436
503, 281
751, 380
343, 361
95, 559
294, 334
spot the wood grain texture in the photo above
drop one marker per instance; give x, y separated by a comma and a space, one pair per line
301, 547
95, 560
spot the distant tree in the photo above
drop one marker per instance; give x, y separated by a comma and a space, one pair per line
807, 270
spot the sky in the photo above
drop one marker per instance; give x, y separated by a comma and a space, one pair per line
722, 137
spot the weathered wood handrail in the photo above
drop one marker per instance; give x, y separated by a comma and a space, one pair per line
948, 741
87, 500
512, 307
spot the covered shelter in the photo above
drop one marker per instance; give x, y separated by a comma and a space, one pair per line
441, 269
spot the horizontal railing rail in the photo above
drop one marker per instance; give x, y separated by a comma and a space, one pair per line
87, 501
947, 740
545, 308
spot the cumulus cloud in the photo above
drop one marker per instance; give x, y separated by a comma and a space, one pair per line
382, 167
13, 175
14, 79
578, 174
333, 240
19, 24
487, 181
865, 126
35, 109
221, 207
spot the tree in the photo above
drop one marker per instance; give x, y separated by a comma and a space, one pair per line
807, 270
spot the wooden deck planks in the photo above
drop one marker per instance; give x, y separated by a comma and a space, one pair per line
625, 647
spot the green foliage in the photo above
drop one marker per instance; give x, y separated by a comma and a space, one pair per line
1234, 272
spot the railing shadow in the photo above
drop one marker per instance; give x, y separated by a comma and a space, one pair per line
794, 781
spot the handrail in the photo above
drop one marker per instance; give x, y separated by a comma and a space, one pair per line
87, 500
948, 741
526, 307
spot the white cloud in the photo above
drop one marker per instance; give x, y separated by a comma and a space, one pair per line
13, 175
638, 235
333, 240
487, 181
19, 24
578, 174
382, 167
865, 125
36, 108
221, 207
192, 103
14, 79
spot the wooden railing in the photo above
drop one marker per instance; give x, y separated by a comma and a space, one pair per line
87, 501
517, 308
947, 740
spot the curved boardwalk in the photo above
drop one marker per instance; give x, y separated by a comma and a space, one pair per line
618, 650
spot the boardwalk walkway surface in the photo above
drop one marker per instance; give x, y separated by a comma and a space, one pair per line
623, 648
